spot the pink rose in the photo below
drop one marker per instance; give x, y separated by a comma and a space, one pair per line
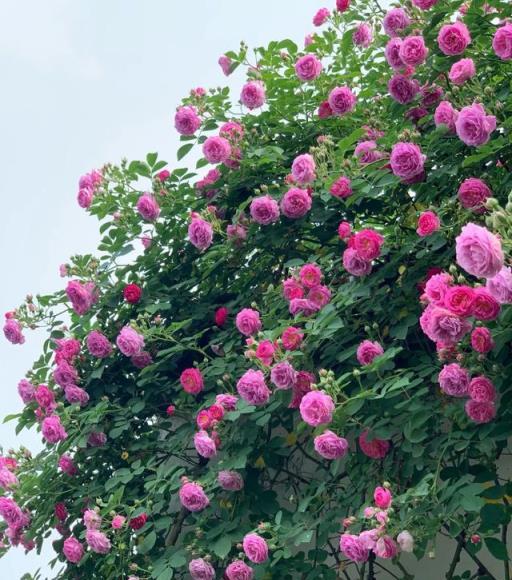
354, 264
459, 300
201, 569
233, 131
264, 210
283, 375
413, 51
482, 390
265, 352
454, 380
446, 115
310, 275
85, 197
308, 68
248, 321
316, 408
367, 243
473, 126
81, 295
255, 548
192, 381
75, 395
200, 233
425, 4
428, 223
461, 71
296, 203
303, 169
13, 331
354, 548
226, 64
341, 100
330, 446
239, 570
407, 160
230, 480
53, 430
502, 42
253, 95
67, 465
500, 286
436, 288
376, 448
321, 16
405, 541
441, 325
392, 53
92, 520
96, 439
386, 548
142, 359
129, 341
324, 110
118, 522
382, 498
344, 230
98, 344
342, 5
319, 296
395, 21
485, 306
97, 541
65, 374
26, 391
366, 152
362, 35
402, 88
204, 444
292, 338
480, 412
72, 550
478, 251
453, 38
341, 188
252, 388
147, 207
473, 193
481, 340
216, 149
192, 497
367, 351
187, 121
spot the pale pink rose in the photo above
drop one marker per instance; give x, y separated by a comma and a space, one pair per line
502, 42
253, 94
453, 38
201, 569
367, 351
480, 412
478, 251
92, 520
255, 548
204, 444
97, 541
473, 193
303, 169
386, 548
369, 538
482, 390
395, 21
230, 480
382, 497
129, 341
225, 64
354, 264
248, 321
354, 548
428, 223
341, 100
474, 126
252, 388
192, 497
446, 115
413, 51
296, 203
239, 570
500, 286
330, 446
461, 71
72, 550
405, 541
187, 121
316, 408
308, 68
264, 210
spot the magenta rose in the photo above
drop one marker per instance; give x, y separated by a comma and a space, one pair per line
481, 340
461, 71
441, 325
482, 390
473, 193
216, 149
382, 497
367, 243
386, 548
374, 448
425, 4
316, 408
480, 412
454, 380
292, 288
292, 338
402, 88
459, 300
200, 233
283, 375
147, 207
366, 152
395, 21
239, 570
413, 51
192, 497
341, 100
187, 121
253, 95
129, 341
446, 115
344, 230
205, 445
252, 388
392, 53
264, 210
362, 35
330, 446
308, 68
502, 42
354, 548
98, 344
97, 541
367, 351
192, 381
478, 251
13, 331
53, 430
485, 306
255, 548
72, 550
341, 188
296, 203
474, 126
428, 223
248, 321
321, 16
453, 38
201, 569
354, 264
230, 480
407, 160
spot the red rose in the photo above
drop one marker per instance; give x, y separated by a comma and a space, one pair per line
221, 315
138, 522
132, 293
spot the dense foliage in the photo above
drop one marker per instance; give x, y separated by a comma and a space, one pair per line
297, 365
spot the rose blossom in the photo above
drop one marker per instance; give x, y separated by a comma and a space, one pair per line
310, 275
296, 203
26, 391
403, 89
303, 306
67, 465
459, 300
453, 38
316, 408
67, 349
142, 359
354, 548
407, 160
413, 51
376, 448
200, 233
303, 169
308, 68
341, 100
264, 210
342, 5
321, 16
344, 230
481, 340
53, 430
473, 126
319, 296
330, 446
283, 375
425, 4
461, 71
98, 344
265, 352
204, 444
392, 53
92, 520
362, 35
255, 548
72, 550
82, 296
216, 149
366, 152
478, 251
324, 110
192, 381
446, 115
7, 479
367, 351
437, 286
201, 569
395, 21
239, 570
482, 390
147, 207
96, 439
454, 380
129, 341
354, 264
192, 497
248, 321
292, 338
480, 412
75, 395
428, 223
225, 64
292, 289
97, 541
473, 193
385, 547
405, 541
382, 497
341, 188
118, 522
441, 325
252, 388
502, 42
230, 480
186, 120
84, 197
253, 94
484, 306
500, 286
367, 243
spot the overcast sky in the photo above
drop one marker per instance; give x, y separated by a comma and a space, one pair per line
85, 82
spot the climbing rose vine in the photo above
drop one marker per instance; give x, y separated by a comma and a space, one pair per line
290, 359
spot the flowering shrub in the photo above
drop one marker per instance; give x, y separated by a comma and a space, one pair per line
260, 345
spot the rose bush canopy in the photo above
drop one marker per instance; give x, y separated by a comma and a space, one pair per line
291, 360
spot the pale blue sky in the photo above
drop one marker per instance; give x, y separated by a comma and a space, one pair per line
85, 82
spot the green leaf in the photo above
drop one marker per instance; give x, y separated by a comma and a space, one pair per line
497, 548
222, 547
148, 543
183, 150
